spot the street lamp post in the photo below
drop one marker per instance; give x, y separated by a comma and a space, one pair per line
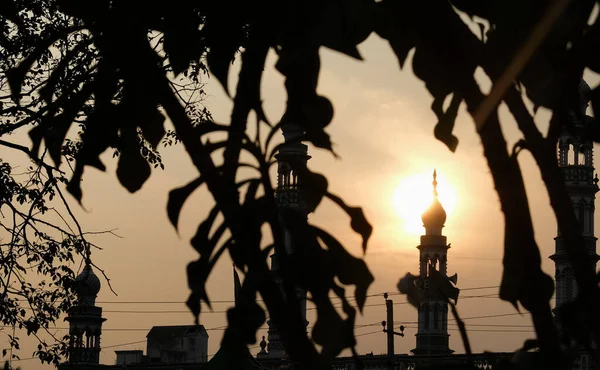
388, 327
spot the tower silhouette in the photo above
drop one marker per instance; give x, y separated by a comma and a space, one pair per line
288, 196
432, 335
575, 158
85, 320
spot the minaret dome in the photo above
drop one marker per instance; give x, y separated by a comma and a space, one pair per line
435, 216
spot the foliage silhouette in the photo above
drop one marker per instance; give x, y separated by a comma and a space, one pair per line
121, 89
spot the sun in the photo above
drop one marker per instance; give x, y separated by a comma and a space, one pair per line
414, 194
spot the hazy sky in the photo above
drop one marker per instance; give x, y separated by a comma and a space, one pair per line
383, 131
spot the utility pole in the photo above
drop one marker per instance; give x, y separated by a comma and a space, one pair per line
388, 327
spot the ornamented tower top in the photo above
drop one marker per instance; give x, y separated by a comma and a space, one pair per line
432, 335
85, 320
292, 153
575, 158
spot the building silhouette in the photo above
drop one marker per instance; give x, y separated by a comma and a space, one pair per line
288, 196
432, 335
575, 158
85, 320
181, 347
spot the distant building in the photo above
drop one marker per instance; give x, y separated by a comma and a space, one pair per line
128, 357
177, 344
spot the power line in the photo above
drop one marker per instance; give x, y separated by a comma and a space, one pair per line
123, 344
260, 300
483, 330
369, 333
467, 318
492, 295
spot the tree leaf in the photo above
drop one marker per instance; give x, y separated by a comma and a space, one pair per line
246, 317
393, 26
349, 269
9, 11
443, 129
440, 283
183, 40
358, 221
56, 127
177, 198
16, 75
314, 185
197, 273
200, 241
332, 332
223, 42
132, 170
319, 111
153, 128
408, 285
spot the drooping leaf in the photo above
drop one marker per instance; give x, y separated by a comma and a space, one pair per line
132, 170
314, 185
194, 304
443, 129
197, 274
349, 269
440, 283
319, 111
393, 26
153, 128
253, 64
342, 25
200, 241
408, 285
246, 317
332, 332
358, 221
177, 198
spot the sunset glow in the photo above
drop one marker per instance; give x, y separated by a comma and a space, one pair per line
414, 194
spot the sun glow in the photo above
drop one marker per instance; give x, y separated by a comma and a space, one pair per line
414, 194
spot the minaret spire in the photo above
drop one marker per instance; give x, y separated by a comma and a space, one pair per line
435, 183
432, 335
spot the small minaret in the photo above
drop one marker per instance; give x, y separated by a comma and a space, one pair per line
291, 153
432, 335
575, 158
85, 320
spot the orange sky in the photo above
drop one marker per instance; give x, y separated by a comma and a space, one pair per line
383, 131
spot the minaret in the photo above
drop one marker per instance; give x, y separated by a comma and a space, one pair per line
85, 320
432, 335
291, 153
575, 158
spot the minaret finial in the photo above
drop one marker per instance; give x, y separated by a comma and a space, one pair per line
435, 183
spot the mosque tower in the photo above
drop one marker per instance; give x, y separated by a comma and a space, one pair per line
287, 196
432, 335
85, 320
575, 158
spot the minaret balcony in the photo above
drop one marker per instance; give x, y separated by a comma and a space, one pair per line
289, 196
579, 175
